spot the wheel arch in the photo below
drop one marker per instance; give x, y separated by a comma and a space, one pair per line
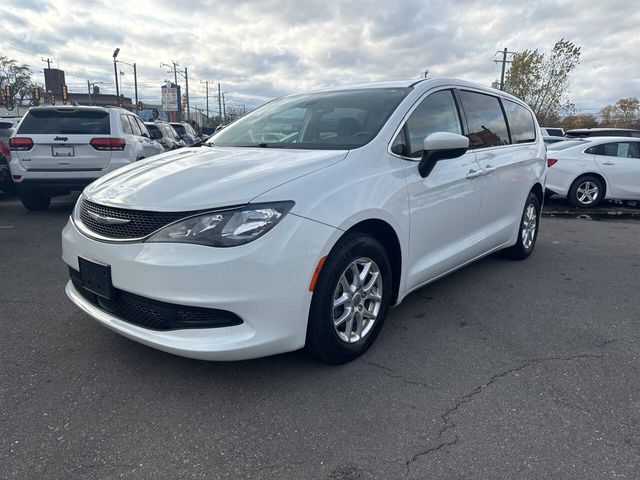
538, 191
592, 174
387, 236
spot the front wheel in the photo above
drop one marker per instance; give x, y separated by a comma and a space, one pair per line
527, 232
350, 299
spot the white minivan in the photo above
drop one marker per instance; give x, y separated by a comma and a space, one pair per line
59, 149
303, 222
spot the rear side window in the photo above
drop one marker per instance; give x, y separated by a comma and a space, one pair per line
521, 123
126, 127
487, 126
616, 149
436, 113
65, 122
556, 132
134, 125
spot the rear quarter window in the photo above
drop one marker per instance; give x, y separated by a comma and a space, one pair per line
521, 122
65, 121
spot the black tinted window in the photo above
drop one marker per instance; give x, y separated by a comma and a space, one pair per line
521, 123
487, 127
65, 122
436, 113
556, 132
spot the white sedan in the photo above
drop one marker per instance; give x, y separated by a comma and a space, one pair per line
588, 171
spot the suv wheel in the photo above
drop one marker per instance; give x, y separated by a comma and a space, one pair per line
350, 299
35, 201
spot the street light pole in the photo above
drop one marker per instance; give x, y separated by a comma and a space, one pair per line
115, 72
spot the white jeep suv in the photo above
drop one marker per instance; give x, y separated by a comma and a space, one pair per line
60, 149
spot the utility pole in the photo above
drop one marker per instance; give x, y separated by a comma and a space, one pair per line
504, 62
206, 88
224, 109
186, 80
89, 87
135, 83
219, 103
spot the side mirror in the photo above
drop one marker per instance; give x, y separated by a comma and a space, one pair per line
156, 134
441, 146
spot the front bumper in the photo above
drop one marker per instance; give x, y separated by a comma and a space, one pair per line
264, 282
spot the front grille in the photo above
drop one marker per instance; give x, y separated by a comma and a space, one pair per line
141, 222
153, 314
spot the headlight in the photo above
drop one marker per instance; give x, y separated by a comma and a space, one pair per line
225, 228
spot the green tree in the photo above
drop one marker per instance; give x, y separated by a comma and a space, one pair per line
543, 80
19, 78
625, 113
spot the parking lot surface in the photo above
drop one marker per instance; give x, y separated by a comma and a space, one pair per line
501, 370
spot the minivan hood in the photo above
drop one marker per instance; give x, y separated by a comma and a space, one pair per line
206, 177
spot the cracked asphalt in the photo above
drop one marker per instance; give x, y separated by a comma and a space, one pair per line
502, 370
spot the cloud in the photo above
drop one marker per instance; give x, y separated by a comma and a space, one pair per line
262, 49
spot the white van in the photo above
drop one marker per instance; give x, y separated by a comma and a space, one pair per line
301, 223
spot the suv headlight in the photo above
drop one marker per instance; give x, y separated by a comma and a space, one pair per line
225, 228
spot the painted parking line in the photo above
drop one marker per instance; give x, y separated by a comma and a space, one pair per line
6, 226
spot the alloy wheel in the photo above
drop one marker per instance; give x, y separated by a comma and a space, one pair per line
529, 226
357, 299
587, 192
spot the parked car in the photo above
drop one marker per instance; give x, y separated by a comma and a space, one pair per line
6, 130
552, 131
243, 248
591, 170
165, 135
549, 139
602, 132
56, 150
186, 132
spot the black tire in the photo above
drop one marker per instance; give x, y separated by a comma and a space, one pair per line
323, 341
522, 248
35, 201
573, 195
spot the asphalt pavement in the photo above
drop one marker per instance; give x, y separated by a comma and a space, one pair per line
502, 370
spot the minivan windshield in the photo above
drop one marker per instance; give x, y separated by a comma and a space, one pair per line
336, 120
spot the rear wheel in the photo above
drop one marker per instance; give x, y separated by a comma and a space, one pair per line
350, 299
587, 191
35, 201
528, 231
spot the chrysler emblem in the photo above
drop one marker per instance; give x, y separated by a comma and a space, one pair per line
108, 220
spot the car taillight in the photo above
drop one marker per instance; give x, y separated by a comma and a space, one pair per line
5, 150
551, 162
20, 144
108, 143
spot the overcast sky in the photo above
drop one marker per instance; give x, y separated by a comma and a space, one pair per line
262, 49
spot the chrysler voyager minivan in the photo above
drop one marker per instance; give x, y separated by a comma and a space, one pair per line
300, 224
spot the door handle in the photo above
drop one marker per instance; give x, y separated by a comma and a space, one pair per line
487, 169
608, 163
474, 173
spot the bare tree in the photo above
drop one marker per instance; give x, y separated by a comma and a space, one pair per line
19, 78
543, 80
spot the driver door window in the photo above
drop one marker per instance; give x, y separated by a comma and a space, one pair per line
436, 113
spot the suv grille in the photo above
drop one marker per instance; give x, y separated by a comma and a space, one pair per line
141, 223
153, 314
